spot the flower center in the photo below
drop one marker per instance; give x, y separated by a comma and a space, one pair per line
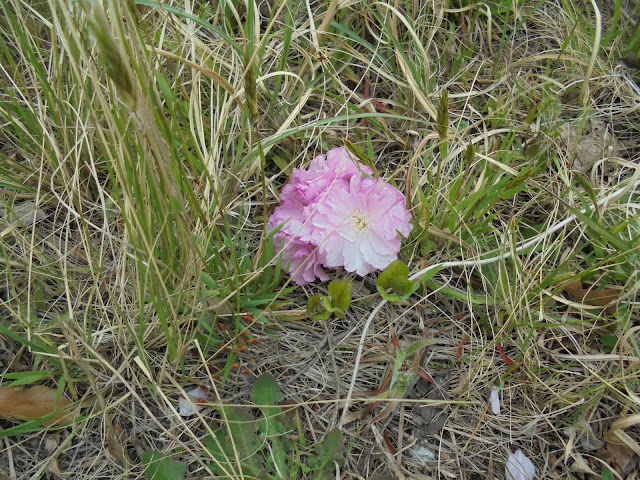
361, 221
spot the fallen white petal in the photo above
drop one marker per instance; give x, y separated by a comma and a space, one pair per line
494, 401
191, 406
423, 453
519, 467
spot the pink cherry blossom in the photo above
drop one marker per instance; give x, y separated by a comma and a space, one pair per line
362, 222
334, 214
327, 172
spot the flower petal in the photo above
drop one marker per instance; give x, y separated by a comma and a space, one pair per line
494, 401
192, 404
519, 467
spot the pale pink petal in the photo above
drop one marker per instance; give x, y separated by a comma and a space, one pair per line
494, 401
193, 403
519, 467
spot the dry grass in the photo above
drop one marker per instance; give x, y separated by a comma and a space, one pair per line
136, 178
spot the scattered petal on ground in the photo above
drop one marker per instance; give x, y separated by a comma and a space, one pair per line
192, 405
519, 467
494, 401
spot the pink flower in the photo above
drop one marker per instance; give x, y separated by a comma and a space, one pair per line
361, 222
334, 214
327, 172
303, 259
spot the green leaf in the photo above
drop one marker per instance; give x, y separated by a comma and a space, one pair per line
340, 292
464, 296
37, 347
339, 299
209, 281
394, 284
266, 391
414, 347
24, 378
603, 232
331, 448
609, 342
242, 432
607, 474
430, 273
283, 165
316, 308
159, 467
272, 428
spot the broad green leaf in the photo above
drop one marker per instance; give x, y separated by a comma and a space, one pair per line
340, 292
240, 432
607, 474
321, 307
266, 391
159, 467
331, 448
609, 342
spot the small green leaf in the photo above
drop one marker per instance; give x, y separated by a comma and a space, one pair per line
284, 165
609, 342
321, 307
266, 391
159, 467
430, 273
607, 474
414, 347
394, 284
331, 448
340, 291
316, 308
208, 281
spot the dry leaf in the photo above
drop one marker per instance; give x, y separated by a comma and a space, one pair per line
25, 213
592, 296
620, 449
580, 464
35, 402
586, 146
